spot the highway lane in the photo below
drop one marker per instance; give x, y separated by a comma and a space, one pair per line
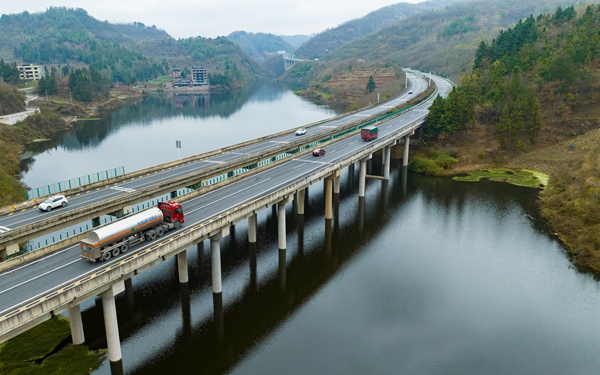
25, 283
27, 217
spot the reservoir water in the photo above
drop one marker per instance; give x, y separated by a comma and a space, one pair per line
424, 276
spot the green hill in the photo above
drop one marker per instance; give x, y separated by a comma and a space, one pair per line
532, 102
329, 40
260, 46
124, 53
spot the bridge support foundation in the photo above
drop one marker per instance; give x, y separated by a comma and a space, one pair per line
362, 179
328, 198
406, 147
182, 267
215, 262
112, 328
252, 228
336, 184
300, 201
281, 225
77, 334
387, 151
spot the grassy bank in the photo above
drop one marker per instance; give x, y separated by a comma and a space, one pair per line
570, 172
45, 350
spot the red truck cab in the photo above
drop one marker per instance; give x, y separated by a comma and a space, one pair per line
172, 211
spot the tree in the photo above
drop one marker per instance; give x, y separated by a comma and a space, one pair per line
371, 84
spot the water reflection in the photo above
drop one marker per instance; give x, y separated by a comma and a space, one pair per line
143, 134
422, 275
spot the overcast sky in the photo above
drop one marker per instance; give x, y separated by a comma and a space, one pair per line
212, 18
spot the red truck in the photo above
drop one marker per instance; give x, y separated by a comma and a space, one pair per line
110, 240
369, 133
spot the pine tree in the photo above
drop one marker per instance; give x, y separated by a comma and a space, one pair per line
371, 84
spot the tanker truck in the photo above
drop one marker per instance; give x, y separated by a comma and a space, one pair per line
112, 239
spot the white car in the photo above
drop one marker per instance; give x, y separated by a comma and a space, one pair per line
53, 202
301, 131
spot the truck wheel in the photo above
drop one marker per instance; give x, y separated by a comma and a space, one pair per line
151, 234
177, 224
106, 256
159, 231
124, 248
116, 251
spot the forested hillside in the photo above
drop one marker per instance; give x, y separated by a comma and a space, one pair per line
331, 39
260, 46
535, 87
124, 53
445, 40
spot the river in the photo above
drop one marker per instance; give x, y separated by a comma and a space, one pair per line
424, 276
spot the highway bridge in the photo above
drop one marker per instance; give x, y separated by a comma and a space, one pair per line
222, 189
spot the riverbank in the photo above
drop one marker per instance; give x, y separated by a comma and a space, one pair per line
52, 353
56, 114
570, 201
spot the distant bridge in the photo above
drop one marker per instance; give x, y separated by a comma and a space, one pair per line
288, 62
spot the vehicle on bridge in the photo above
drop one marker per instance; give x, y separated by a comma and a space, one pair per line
110, 240
369, 133
318, 152
53, 202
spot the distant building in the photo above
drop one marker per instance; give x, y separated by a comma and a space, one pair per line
31, 72
199, 76
176, 75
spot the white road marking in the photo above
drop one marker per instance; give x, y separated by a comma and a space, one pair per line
128, 190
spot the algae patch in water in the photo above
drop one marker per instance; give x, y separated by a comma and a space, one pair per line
519, 177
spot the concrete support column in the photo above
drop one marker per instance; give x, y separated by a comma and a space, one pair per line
252, 228
300, 203
362, 180
215, 257
406, 147
76, 325
127, 210
328, 198
387, 152
281, 225
336, 184
111, 325
182, 267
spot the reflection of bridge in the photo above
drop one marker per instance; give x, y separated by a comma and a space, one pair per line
288, 62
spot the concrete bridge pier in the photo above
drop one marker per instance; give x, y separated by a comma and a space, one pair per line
387, 152
329, 198
362, 179
281, 229
252, 228
112, 328
77, 334
300, 201
406, 147
336, 182
182, 267
215, 262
